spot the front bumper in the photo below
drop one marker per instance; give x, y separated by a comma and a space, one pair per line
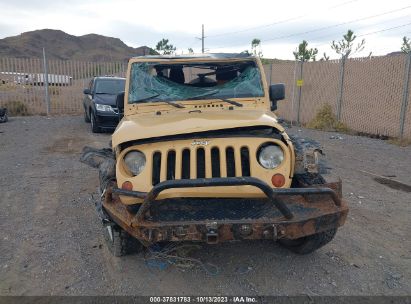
285, 213
107, 120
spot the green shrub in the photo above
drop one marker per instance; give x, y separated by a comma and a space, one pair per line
326, 120
17, 108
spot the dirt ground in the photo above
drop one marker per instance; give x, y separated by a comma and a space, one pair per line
51, 241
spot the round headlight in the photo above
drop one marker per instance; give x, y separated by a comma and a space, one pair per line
135, 162
270, 156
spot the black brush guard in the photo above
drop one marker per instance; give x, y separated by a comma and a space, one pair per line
272, 194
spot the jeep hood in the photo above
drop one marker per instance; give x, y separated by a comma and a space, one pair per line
138, 127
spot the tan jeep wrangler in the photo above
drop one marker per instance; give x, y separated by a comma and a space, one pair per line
200, 156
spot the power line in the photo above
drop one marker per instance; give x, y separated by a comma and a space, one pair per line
385, 48
257, 27
355, 30
384, 30
193, 43
276, 23
342, 4
326, 27
372, 33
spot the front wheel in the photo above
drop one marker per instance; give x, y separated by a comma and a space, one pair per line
309, 243
86, 117
119, 242
94, 125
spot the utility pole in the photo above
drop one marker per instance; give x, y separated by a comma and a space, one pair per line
202, 38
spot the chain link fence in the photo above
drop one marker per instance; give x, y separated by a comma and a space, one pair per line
369, 95
23, 84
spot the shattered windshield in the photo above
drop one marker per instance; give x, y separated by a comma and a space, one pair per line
151, 82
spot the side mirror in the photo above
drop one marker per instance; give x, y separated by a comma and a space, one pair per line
87, 91
277, 92
120, 104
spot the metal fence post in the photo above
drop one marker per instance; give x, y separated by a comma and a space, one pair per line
271, 72
299, 93
405, 94
341, 89
46, 82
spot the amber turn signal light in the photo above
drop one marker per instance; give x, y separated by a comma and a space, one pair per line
127, 186
278, 180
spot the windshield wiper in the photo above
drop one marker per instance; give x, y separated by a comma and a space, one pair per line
177, 105
145, 99
234, 103
165, 101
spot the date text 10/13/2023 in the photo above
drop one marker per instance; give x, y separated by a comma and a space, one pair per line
203, 299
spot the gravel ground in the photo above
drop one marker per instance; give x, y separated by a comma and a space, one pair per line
51, 241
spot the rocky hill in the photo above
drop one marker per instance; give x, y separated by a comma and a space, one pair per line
60, 45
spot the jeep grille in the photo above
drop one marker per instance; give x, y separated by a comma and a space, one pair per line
192, 163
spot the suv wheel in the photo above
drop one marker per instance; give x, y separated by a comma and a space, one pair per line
94, 125
86, 116
119, 242
309, 243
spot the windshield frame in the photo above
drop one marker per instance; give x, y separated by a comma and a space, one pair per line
208, 94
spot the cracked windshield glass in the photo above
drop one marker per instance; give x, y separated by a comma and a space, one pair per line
154, 82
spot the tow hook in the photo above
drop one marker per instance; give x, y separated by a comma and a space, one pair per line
278, 232
212, 233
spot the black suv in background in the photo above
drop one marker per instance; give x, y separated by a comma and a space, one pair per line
100, 102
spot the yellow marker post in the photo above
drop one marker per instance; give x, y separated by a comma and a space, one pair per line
300, 82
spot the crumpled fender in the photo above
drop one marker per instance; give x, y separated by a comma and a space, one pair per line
103, 160
309, 156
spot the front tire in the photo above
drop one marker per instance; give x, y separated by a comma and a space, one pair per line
310, 243
94, 125
86, 116
119, 242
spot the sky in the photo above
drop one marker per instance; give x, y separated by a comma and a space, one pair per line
230, 26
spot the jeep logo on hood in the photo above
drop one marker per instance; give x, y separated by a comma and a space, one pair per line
197, 142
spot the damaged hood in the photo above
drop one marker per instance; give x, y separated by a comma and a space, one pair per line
138, 127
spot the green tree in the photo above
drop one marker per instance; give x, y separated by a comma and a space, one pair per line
345, 47
256, 47
406, 45
325, 57
304, 53
152, 52
164, 48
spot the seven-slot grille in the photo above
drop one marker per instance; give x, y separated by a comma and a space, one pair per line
201, 162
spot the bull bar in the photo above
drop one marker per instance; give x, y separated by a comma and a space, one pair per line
272, 194
296, 216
